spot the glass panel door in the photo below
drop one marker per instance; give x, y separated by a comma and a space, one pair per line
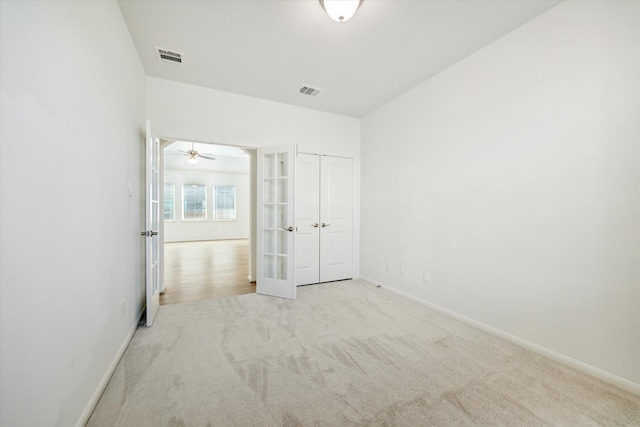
275, 221
152, 224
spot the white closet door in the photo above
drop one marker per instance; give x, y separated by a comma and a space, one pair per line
336, 219
307, 219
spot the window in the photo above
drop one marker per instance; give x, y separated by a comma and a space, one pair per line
194, 199
169, 202
224, 204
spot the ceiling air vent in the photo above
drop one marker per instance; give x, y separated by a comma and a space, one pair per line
306, 90
169, 56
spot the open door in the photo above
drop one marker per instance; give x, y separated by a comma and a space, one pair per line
152, 224
275, 221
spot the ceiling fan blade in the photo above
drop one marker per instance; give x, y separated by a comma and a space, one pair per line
206, 157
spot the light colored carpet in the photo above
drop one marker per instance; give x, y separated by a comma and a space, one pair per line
342, 354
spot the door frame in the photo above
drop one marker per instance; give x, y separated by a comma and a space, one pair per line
251, 151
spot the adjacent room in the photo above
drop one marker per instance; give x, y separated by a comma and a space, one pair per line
206, 219
438, 202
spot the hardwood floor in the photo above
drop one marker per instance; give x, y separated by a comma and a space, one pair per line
195, 271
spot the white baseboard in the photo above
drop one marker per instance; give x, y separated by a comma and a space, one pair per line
107, 376
544, 351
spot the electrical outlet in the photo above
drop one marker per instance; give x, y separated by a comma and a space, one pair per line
403, 270
388, 266
122, 308
425, 276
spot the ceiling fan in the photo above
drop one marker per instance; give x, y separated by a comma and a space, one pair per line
193, 157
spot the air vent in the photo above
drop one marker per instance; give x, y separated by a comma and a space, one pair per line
306, 90
169, 56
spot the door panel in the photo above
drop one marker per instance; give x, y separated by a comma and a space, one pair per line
336, 242
275, 214
334, 179
306, 246
307, 219
336, 219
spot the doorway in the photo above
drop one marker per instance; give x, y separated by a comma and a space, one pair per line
208, 210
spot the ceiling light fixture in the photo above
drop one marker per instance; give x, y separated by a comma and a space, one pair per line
192, 160
340, 10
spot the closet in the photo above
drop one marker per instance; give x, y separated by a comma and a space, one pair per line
324, 219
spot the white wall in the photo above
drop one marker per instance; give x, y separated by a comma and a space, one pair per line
180, 230
184, 112
72, 112
513, 178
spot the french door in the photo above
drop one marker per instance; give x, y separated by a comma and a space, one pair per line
152, 225
275, 221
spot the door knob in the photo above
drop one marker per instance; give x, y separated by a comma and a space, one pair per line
315, 225
287, 229
325, 225
154, 233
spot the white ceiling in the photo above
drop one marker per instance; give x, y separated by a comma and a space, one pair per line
270, 48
